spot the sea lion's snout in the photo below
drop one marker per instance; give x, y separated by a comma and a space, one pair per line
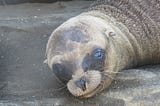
86, 84
81, 83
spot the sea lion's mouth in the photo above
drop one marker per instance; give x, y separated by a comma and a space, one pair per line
87, 85
105, 82
93, 92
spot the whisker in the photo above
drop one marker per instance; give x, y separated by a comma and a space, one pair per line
104, 68
108, 75
66, 79
61, 88
112, 72
58, 52
60, 80
111, 66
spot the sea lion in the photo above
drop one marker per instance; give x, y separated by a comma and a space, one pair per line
88, 50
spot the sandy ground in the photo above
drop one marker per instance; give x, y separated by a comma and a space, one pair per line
25, 80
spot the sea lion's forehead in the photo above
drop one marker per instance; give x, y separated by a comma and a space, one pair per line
69, 39
75, 34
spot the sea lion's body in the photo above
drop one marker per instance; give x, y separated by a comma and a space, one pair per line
113, 35
142, 19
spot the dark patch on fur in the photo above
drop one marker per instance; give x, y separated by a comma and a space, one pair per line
92, 62
63, 71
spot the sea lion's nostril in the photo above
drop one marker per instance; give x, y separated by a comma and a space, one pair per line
81, 83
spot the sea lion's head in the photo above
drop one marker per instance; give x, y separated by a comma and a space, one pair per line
81, 56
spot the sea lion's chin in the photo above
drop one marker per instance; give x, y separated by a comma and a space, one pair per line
86, 85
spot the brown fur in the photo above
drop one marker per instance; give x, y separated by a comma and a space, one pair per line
127, 29
141, 18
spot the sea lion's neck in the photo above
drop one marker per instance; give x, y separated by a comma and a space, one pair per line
141, 20
128, 50
133, 48
126, 47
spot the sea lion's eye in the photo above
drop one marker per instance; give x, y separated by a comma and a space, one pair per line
94, 61
98, 53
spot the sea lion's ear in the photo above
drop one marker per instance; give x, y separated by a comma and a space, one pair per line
109, 34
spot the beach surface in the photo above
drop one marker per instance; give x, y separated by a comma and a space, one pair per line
26, 80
